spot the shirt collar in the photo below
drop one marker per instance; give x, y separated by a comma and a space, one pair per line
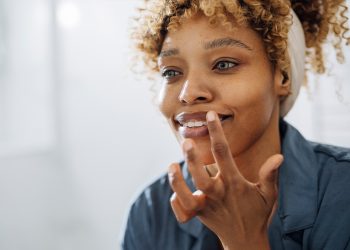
297, 199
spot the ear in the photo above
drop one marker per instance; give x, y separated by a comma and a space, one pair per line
282, 83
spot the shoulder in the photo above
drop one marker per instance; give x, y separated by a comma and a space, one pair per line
293, 143
333, 181
332, 225
316, 160
334, 166
331, 152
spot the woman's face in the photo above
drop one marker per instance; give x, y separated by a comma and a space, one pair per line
211, 68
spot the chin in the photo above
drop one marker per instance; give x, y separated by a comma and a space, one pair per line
203, 146
204, 153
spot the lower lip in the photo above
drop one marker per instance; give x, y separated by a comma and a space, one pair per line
194, 132
187, 132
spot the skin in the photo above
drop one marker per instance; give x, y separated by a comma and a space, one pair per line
234, 78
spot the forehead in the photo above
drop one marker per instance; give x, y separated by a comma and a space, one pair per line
200, 32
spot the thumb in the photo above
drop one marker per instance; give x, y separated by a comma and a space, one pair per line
268, 177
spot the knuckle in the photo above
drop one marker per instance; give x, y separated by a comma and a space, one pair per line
220, 149
190, 206
241, 188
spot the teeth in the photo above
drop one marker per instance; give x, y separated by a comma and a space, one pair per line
198, 124
193, 124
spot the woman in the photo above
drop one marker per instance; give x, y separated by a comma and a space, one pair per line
231, 71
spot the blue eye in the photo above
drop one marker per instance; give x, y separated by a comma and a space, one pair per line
225, 65
170, 73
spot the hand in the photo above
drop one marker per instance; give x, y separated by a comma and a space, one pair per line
236, 210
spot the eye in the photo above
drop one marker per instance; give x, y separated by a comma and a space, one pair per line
225, 65
170, 73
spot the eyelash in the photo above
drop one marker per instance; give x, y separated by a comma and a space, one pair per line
233, 64
176, 73
165, 72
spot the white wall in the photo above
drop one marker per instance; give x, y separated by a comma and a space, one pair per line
112, 133
67, 181
91, 136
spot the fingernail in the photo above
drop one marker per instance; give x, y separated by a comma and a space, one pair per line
211, 116
187, 145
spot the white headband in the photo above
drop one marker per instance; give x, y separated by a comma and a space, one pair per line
296, 50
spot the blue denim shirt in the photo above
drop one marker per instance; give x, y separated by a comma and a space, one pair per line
313, 205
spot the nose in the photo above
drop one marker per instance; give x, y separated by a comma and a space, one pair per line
195, 90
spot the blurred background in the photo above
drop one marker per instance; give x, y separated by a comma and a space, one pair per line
79, 133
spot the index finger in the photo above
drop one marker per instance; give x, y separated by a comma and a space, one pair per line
220, 148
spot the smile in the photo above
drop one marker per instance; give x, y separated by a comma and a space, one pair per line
193, 125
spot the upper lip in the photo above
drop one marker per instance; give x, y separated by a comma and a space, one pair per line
184, 117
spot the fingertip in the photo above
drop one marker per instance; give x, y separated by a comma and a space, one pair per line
172, 171
173, 167
273, 162
278, 159
211, 116
173, 198
268, 171
181, 215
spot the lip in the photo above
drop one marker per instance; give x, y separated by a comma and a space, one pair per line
193, 132
186, 117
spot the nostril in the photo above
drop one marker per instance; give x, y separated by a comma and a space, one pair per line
201, 98
193, 100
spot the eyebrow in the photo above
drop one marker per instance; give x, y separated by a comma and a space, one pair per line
169, 52
227, 41
217, 43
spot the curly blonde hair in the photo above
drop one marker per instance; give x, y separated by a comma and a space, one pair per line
321, 19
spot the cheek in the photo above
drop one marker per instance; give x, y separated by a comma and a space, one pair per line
255, 87
167, 100
167, 104
243, 97
257, 107
253, 104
